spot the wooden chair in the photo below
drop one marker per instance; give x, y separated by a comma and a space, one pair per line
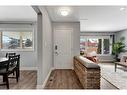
16, 64
8, 67
10, 54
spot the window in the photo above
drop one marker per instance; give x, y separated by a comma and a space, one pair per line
92, 45
82, 43
16, 40
99, 45
10, 40
26, 40
106, 46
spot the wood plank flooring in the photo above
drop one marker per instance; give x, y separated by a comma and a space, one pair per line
63, 79
107, 85
67, 79
28, 80
59, 79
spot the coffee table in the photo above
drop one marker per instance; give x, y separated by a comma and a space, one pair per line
124, 64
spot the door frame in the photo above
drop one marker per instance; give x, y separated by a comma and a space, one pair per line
71, 44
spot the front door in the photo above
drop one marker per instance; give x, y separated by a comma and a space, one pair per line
63, 48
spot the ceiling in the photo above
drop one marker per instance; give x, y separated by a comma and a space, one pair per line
93, 18
17, 13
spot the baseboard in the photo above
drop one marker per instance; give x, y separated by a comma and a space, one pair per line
39, 87
28, 68
45, 81
106, 61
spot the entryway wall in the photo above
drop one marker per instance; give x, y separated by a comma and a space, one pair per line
75, 26
46, 42
44, 46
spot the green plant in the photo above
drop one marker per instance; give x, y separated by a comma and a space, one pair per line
118, 47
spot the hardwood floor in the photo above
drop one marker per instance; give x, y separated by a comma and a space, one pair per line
67, 79
59, 79
107, 85
63, 79
28, 80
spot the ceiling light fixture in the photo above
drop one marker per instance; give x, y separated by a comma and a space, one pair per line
64, 12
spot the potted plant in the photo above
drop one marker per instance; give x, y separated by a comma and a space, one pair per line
118, 47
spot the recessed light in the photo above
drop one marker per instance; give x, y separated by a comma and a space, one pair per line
122, 8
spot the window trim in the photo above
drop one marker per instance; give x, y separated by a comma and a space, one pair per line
102, 49
20, 49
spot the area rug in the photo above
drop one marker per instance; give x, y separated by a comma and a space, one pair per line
118, 78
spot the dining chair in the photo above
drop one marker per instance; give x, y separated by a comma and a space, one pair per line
16, 64
7, 68
10, 54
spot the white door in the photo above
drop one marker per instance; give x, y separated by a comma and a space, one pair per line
63, 48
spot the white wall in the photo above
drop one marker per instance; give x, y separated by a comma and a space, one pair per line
28, 58
120, 34
76, 34
46, 46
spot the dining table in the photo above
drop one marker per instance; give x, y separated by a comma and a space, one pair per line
3, 59
12, 66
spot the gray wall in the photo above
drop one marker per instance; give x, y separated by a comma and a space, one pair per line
76, 34
39, 49
28, 58
46, 46
120, 34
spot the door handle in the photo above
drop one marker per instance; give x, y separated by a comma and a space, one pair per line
56, 47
